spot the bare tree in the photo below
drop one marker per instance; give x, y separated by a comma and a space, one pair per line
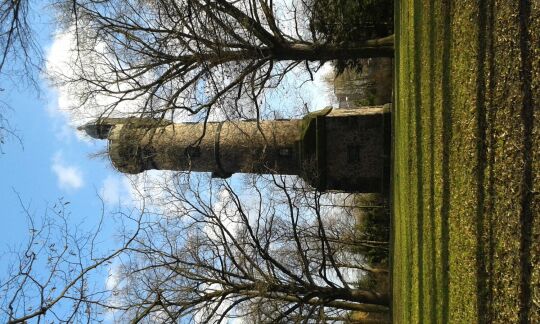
20, 54
58, 275
217, 255
18, 46
205, 253
167, 55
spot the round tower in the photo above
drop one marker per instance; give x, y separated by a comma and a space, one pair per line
344, 149
222, 148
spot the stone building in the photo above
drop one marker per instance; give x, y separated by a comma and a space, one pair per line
332, 149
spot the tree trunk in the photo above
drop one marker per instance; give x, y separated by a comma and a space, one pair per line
346, 305
349, 295
382, 47
354, 295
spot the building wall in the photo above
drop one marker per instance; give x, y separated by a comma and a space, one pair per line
355, 151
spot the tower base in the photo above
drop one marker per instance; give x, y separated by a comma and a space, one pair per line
347, 149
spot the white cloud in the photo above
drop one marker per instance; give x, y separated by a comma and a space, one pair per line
228, 215
116, 189
69, 177
110, 190
59, 60
113, 283
113, 279
321, 95
60, 102
64, 66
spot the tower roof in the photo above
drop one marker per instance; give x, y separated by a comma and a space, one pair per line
100, 128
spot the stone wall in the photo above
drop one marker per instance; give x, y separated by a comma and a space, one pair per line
358, 147
222, 148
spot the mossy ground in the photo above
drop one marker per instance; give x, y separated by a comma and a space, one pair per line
466, 173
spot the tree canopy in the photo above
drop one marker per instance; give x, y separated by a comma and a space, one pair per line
207, 255
164, 56
20, 55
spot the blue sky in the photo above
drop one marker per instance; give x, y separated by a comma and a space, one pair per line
49, 164
50, 161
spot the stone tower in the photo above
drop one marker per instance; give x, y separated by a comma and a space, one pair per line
332, 149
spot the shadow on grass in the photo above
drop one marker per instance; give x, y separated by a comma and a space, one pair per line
527, 118
420, 154
432, 215
482, 291
447, 139
491, 119
485, 146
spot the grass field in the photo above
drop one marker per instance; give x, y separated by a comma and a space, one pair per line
466, 173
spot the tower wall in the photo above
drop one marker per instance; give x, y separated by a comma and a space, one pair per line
347, 149
222, 148
358, 147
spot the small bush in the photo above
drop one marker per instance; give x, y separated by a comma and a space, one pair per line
352, 20
373, 224
349, 21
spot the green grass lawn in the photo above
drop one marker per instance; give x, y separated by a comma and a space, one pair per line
466, 173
